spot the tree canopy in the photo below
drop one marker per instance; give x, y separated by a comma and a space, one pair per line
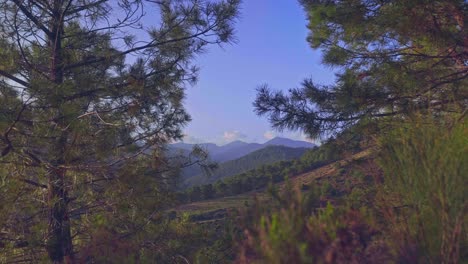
87, 88
391, 58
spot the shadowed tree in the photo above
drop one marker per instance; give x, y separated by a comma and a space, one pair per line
86, 87
402, 67
391, 58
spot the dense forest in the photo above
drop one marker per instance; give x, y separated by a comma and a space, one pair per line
262, 175
267, 155
92, 96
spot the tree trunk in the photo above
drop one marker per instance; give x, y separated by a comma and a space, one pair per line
59, 241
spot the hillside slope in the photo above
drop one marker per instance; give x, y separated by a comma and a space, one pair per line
331, 178
279, 141
267, 155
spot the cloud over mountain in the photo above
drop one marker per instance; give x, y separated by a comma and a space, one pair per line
269, 135
229, 136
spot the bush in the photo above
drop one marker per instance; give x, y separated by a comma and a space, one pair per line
426, 164
297, 232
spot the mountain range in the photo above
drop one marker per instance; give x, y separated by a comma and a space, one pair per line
238, 156
237, 149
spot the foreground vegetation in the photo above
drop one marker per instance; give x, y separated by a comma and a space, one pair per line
358, 210
373, 216
87, 109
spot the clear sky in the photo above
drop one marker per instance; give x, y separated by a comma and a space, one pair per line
271, 49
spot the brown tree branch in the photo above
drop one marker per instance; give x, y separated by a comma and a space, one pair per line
32, 17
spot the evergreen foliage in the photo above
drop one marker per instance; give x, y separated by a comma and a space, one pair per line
92, 92
391, 57
262, 176
89, 94
265, 156
401, 78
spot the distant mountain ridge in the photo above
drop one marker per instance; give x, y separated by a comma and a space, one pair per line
237, 149
267, 155
279, 141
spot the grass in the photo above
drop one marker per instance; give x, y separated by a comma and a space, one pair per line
215, 204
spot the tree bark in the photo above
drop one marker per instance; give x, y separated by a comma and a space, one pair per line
59, 241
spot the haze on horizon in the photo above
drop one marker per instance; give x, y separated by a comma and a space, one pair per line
266, 141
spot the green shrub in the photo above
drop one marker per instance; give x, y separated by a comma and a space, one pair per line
295, 232
328, 189
426, 173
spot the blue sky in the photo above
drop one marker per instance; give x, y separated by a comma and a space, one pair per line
271, 49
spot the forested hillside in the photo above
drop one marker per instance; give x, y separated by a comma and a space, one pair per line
260, 176
93, 100
217, 161
267, 155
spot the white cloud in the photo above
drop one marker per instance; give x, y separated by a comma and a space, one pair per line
229, 136
269, 135
191, 139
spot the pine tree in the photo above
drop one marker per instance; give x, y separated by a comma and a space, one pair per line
87, 87
392, 58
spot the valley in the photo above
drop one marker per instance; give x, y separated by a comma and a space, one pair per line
332, 172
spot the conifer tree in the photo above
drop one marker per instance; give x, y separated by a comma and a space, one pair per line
87, 87
392, 58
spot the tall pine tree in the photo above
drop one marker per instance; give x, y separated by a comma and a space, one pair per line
86, 87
